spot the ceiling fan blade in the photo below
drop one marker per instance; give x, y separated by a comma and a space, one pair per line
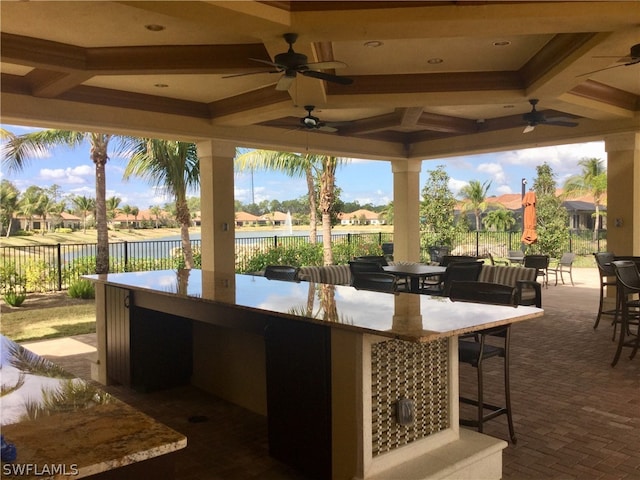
561, 122
285, 83
326, 65
328, 77
251, 73
529, 128
603, 69
327, 128
280, 67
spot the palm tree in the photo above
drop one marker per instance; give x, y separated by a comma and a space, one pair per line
592, 181
28, 204
8, 203
174, 166
313, 168
155, 210
44, 208
474, 196
113, 207
127, 211
135, 211
19, 149
84, 205
327, 198
501, 219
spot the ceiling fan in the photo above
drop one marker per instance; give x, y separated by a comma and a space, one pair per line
313, 123
535, 118
632, 59
291, 63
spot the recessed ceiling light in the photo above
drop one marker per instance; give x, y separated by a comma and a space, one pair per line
160, 85
153, 27
435, 61
502, 43
373, 44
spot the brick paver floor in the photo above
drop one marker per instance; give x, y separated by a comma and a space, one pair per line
575, 416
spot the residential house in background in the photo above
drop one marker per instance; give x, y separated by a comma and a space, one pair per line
361, 217
581, 209
245, 219
36, 222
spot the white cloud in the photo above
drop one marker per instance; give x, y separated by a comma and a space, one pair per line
456, 185
502, 189
69, 175
563, 159
495, 170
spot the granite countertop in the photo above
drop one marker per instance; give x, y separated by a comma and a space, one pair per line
407, 316
62, 426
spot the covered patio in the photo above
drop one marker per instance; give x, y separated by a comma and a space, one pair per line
575, 416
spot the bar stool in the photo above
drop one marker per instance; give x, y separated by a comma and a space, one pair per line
607, 279
628, 284
474, 349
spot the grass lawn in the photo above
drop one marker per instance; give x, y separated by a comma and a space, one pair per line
51, 238
46, 316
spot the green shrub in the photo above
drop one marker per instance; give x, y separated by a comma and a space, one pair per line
82, 288
11, 280
14, 299
40, 276
63, 230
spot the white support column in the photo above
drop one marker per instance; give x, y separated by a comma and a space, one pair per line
217, 207
623, 193
406, 209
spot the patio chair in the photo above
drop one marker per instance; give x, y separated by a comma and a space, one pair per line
437, 252
541, 264
449, 259
281, 272
456, 271
380, 282
381, 259
564, 265
516, 256
358, 266
474, 349
387, 250
607, 279
628, 285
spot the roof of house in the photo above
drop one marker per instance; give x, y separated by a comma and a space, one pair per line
363, 212
246, 217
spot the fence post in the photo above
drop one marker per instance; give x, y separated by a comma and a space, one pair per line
348, 239
126, 256
59, 261
275, 241
477, 243
379, 238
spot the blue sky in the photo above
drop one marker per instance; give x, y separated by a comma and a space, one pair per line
361, 180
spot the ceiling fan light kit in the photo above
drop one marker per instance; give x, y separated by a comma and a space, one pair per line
291, 63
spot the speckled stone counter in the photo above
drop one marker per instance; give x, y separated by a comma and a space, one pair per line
63, 427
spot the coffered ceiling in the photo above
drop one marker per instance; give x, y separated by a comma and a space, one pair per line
429, 78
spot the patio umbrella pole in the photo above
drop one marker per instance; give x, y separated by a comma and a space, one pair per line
524, 185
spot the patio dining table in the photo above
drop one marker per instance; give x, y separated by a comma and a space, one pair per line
416, 272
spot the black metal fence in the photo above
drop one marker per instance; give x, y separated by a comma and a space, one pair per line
40, 268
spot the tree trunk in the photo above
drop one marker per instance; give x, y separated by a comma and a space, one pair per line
596, 222
9, 226
327, 198
99, 157
184, 218
313, 206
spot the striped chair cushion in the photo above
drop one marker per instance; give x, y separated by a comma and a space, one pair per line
310, 274
510, 275
486, 274
336, 274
